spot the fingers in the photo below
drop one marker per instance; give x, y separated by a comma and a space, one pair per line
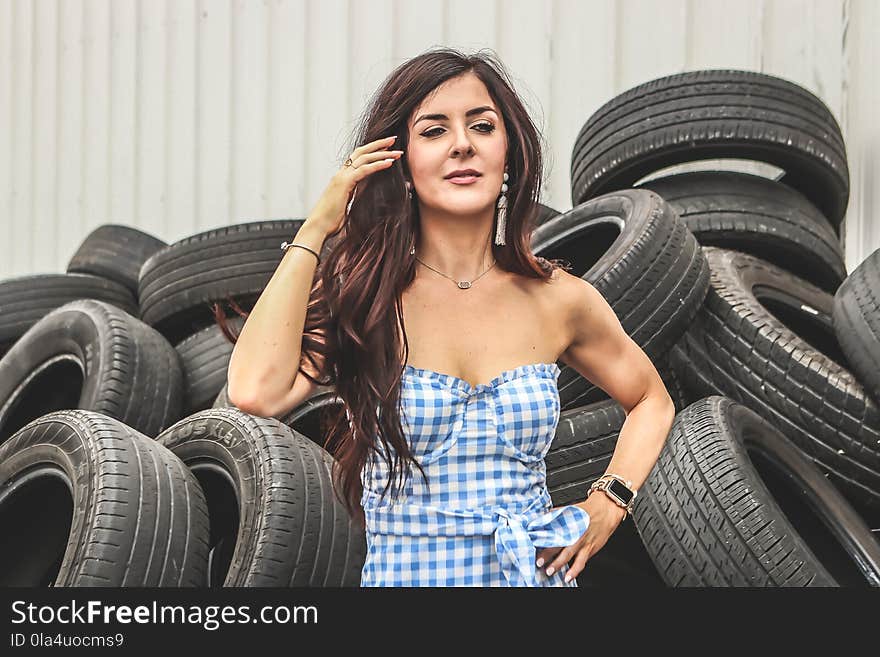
369, 162
369, 158
361, 171
560, 560
578, 566
545, 556
371, 146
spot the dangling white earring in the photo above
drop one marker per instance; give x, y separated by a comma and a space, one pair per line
409, 194
501, 223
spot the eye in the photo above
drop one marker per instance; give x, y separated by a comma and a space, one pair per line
488, 129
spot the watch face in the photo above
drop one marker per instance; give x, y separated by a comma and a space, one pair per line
620, 490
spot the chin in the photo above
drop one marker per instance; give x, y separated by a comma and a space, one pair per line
469, 208
469, 203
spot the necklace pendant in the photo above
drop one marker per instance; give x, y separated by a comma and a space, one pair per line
464, 284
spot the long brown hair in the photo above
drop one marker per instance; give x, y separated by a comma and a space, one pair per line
356, 297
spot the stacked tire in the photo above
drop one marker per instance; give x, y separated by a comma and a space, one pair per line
115, 470
768, 349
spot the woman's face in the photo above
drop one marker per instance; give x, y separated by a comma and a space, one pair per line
438, 146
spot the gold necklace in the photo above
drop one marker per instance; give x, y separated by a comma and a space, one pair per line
463, 285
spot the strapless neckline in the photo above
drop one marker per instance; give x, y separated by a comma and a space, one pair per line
504, 376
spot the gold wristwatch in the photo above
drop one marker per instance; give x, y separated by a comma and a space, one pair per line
620, 490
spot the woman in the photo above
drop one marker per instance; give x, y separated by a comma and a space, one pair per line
441, 332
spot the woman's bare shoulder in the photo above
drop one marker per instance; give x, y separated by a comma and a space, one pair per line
560, 281
571, 295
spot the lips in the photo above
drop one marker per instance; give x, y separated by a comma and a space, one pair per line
463, 180
463, 173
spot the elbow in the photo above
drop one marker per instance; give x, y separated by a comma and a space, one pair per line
663, 408
244, 401
242, 393
665, 400
669, 404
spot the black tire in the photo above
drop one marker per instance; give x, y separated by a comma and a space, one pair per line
222, 399
178, 283
758, 216
27, 299
204, 360
856, 319
90, 355
314, 416
633, 249
711, 114
116, 252
87, 501
582, 447
733, 502
275, 520
776, 353
311, 418
545, 213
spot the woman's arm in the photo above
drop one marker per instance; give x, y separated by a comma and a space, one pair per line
266, 357
601, 351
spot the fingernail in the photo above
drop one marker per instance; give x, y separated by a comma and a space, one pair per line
567, 577
540, 562
393, 137
550, 571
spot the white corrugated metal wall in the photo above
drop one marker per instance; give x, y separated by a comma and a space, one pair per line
181, 115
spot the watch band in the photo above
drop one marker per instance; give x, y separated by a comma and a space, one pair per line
609, 475
603, 482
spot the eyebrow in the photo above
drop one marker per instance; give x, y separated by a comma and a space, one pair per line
470, 112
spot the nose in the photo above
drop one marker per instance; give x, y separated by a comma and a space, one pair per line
462, 143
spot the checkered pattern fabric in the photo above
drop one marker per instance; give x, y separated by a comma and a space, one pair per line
484, 509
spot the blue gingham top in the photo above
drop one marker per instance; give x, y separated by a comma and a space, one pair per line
485, 508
